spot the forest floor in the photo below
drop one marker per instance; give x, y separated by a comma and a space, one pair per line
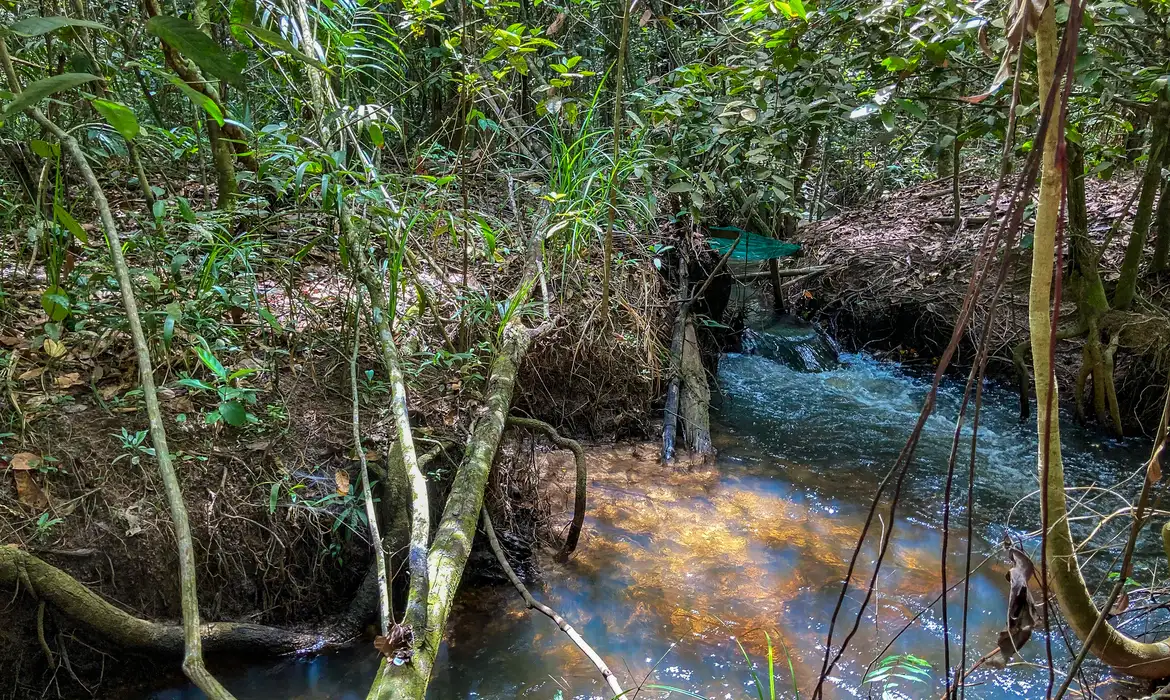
898, 275
275, 507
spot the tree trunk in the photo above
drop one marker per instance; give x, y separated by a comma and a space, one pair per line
1146, 660
452, 543
1135, 250
1161, 262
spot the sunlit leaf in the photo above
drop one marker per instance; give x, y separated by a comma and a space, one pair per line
66, 219
119, 116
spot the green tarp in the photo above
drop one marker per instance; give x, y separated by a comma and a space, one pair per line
751, 246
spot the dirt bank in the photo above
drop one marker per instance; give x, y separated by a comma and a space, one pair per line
897, 275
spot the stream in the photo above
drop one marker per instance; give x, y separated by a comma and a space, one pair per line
681, 564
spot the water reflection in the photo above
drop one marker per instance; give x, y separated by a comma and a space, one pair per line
677, 561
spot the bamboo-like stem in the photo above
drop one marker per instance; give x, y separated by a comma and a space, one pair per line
619, 83
193, 652
371, 511
610, 679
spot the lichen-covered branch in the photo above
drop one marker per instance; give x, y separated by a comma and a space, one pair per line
75, 600
452, 543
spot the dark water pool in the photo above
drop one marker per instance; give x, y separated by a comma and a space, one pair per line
680, 565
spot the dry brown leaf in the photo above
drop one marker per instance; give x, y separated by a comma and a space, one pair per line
645, 18
1154, 470
556, 25
31, 374
984, 44
54, 348
109, 392
24, 461
1121, 604
342, 479
28, 492
9, 340
70, 379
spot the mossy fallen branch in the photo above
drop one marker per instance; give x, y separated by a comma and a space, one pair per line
19, 568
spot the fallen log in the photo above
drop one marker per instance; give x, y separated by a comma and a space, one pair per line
452, 542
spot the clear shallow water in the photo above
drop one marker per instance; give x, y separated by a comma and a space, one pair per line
679, 560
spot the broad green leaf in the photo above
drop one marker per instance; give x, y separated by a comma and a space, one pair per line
211, 362
798, 9
37, 26
66, 219
43, 88
233, 414
55, 302
271, 319
681, 186
193, 383
119, 116
242, 12
190, 41
376, 135
44, 149
276, 41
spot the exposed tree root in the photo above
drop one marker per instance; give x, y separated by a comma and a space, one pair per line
580, 495
75, 600
532, 603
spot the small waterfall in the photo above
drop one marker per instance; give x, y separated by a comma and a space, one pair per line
791, 342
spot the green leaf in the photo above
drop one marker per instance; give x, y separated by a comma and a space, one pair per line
376, 135
211, 362
44, 149
185, 210
37, 26
681, 186
278, 42
233, 414
66, 219
159, 208
119, 116
267, 316
190, 41
43, 88
193, 383
242, 12
55, 302
197, 97
798, 9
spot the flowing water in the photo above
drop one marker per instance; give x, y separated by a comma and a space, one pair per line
681, 564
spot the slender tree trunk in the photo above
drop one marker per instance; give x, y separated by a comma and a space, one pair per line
1146, 660
1135, 250
193, 648
1161, 262
618, 83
